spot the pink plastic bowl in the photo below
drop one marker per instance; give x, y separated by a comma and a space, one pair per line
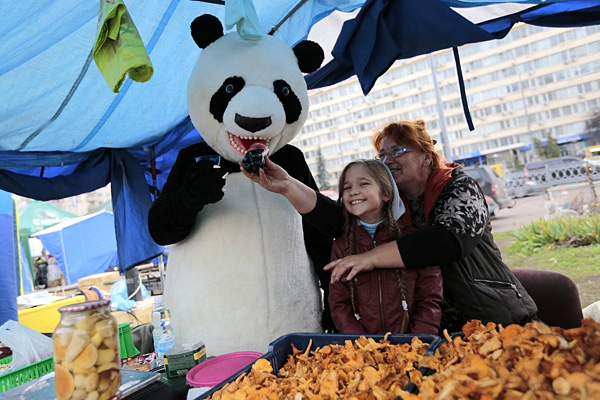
215, 370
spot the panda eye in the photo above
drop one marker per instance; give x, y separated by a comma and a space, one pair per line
285, 91
229, 88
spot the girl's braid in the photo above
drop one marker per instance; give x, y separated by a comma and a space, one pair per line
394, 233
350, 249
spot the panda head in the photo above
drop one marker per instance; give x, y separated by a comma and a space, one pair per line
243, 92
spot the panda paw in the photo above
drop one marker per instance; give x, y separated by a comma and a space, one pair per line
204, 183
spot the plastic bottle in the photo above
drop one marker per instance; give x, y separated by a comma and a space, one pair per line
164, 338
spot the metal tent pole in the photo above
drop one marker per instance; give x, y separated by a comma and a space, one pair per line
161, 263
438, 97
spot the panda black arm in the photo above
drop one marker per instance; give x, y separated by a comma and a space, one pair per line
318, 245
173, 214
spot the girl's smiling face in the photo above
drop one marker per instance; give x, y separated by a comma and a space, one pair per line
361, 195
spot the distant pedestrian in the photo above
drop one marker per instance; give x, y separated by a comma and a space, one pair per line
55, 275
40, 265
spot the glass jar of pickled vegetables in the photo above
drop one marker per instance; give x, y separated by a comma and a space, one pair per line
86, 352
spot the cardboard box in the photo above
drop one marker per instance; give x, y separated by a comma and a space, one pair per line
180, 359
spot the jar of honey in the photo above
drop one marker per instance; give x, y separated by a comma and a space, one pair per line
86, 352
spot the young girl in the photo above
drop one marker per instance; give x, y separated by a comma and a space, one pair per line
382, 300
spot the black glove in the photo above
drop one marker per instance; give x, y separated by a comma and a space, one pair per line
203, 184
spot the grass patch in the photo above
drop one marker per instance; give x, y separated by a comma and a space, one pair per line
570, 246
566, 231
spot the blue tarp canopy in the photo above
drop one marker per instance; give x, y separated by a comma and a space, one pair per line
8, 258
82, 246
63, 132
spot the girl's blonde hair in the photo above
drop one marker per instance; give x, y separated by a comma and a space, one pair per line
378, 171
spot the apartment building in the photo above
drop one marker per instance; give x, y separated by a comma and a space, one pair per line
86, 203
533, 83
79, 205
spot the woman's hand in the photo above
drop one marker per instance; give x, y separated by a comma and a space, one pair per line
276, 179
383, 256
345, 269
272, 177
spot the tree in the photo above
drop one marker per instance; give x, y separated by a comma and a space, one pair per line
552, 147
549, 150
322, 175
539, 147
515, 162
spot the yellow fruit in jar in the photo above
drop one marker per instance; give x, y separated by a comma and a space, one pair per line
105, 327
87, 358
88, 323
107, 367
59, 351
105, 356
92, 382
78, 342
64, 382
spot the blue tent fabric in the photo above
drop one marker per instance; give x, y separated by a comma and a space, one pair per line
131, 202
51, 183
63, 132
131, 198
385, 31
82, 246
557, 15
8, 259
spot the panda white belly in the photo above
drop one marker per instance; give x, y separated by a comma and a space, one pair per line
242, 278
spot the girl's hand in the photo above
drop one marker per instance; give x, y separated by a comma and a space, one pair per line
345, 269
276, 179
272, 177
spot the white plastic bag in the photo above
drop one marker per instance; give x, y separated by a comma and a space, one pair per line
28, 346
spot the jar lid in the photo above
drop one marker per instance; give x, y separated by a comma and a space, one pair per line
85, 306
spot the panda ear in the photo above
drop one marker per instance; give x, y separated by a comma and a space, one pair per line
206, 29
310, 55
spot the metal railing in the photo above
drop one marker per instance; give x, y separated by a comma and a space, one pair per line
522, 183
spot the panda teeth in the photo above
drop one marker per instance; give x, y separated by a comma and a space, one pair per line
242, 150
234, 145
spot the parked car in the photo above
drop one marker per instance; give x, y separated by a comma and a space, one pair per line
493, 207
491, 184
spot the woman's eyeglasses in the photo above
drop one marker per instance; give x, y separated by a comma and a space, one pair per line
396, 152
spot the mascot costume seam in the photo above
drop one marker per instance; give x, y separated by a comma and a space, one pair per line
243, 270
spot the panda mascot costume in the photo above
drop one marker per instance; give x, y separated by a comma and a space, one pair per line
244, 268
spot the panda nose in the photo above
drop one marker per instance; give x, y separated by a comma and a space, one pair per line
252, 124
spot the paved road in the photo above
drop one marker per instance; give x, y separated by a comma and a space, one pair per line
526, 210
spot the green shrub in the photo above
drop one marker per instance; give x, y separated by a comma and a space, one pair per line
544, 234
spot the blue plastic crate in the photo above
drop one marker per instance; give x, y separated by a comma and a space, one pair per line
280, 348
